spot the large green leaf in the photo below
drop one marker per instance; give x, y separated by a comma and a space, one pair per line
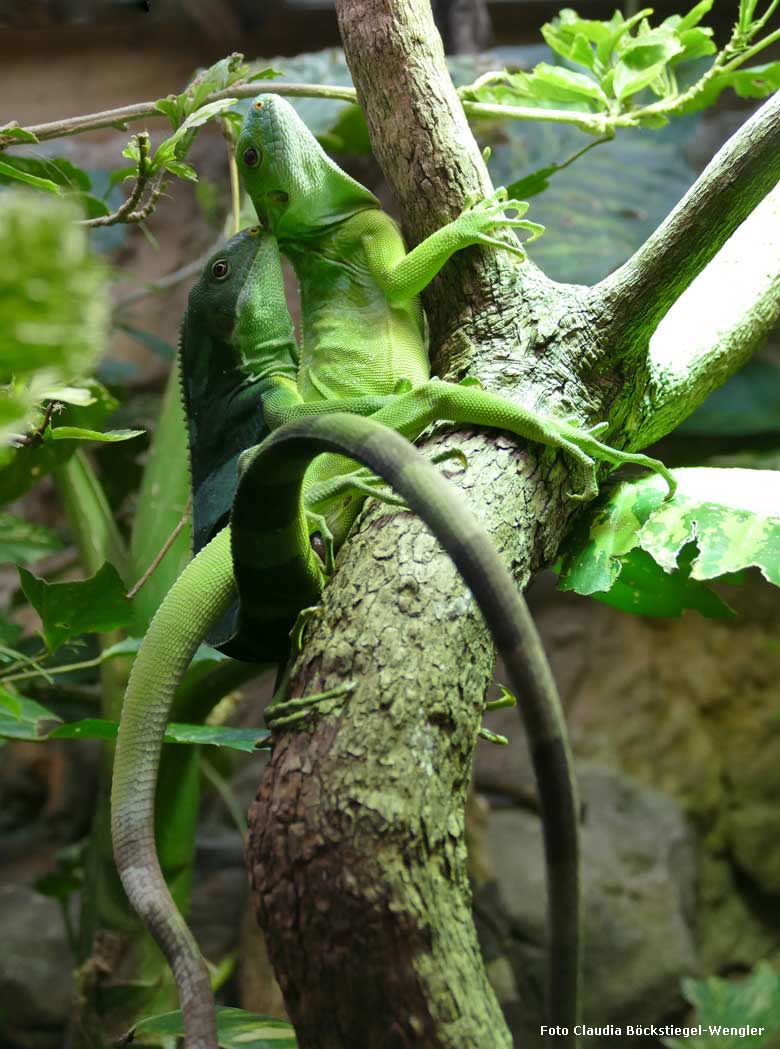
67, 610
78, 433
733, 1014
236, 1029
58, 171
644, 589
731, 515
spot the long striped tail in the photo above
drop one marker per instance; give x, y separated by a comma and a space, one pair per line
198, 598
278, 466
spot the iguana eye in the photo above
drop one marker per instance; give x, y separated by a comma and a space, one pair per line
220, 269
251, 157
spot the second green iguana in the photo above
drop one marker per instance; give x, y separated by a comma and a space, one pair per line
278, 573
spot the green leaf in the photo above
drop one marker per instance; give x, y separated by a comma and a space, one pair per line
121, 174
555, 86
644, 589
16, 134
267, 73
696, 14
22, 718
10, 633
236, 1029
755, 81
55, 170
76, 433
569, 43
181, 170
170, 149
25, 467
349, 133
619, 30
92, 206
11, 703
30, 722
77, 395
531, 185
732, 516
727, 1010
643, 61
10, 173
162, 500
559, 84
21, 541
696, 43
67, 610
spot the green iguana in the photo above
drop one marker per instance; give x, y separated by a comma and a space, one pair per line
278, 573
363, 335
363, 328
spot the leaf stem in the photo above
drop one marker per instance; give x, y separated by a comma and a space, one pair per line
49, 672
162, 552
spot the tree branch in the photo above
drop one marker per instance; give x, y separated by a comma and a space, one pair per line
125, 211
715, 326
745, 169
119, 118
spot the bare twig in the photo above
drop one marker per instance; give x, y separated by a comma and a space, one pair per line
142, 213
126, 211
163, 551
29, 440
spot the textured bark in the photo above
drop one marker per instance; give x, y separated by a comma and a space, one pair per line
356, 850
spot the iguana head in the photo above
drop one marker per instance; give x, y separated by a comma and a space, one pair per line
295, 187
238, 305
214, 297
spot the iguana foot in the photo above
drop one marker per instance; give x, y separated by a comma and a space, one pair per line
321, 539
482, 216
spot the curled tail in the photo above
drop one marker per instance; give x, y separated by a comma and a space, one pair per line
276, 470
200, 595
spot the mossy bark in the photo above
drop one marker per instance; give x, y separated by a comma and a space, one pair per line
356, 852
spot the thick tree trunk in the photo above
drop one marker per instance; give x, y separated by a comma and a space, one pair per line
356, 850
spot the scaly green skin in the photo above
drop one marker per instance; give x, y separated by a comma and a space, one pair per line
272, 490
238, 312
362, 322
